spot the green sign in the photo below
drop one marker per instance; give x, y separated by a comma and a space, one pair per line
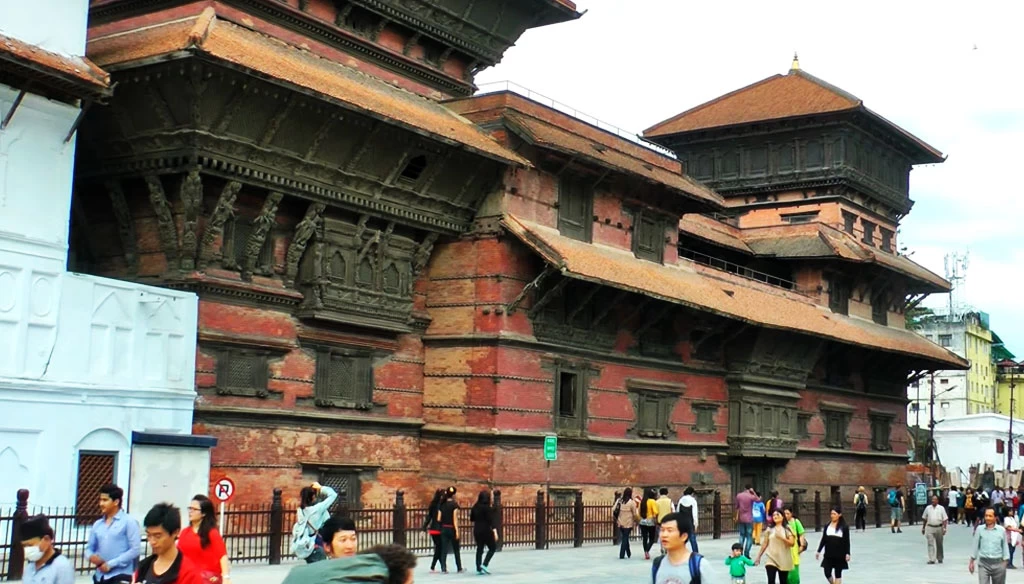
550, 447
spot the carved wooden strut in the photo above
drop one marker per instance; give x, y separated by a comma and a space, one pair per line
125, 224
304, 231
192, 200
165, 220
224, 211
261, 227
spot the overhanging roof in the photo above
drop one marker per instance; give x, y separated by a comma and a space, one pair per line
75, 76
278, 62
699, 288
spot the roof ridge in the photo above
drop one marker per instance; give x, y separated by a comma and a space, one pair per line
826, 85
706, 104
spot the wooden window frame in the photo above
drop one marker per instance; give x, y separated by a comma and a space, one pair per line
258, 388
869, 231
645, 225
232, 248
664, 398
704, 422
849, 222
1000, 446
567, 186
324, 396
837, 416
880, 308
880, 422
839, 293
803, 423
577, 423
82, 517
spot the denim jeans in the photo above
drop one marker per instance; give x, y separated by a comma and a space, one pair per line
692, 537
624, 550
746, 537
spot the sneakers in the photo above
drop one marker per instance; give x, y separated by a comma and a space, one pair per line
647, 556
485, 570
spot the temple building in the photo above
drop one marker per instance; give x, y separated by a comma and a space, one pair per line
403, 286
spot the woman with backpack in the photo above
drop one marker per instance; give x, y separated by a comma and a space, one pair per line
432, 525
626, 513
860, 500
485, 531
648, 521
314, 509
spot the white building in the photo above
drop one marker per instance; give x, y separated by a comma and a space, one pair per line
84, 361
979, 439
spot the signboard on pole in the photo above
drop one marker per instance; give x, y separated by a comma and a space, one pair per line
224, 490
921, 494
551, 448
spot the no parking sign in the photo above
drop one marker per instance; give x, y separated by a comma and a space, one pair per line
224, 490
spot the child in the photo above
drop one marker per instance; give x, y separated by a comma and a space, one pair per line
738, 563
758, 513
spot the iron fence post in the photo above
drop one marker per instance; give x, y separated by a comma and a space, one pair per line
398, 522
16, 557
912, 500
499, 520
615, 525
541, 520
837, 497
276, 527
716, 516
796, 494
577, 523
817, 510
878, 505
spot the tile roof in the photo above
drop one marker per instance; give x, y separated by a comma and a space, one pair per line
815, 240
79, 72
775, 98
689, 285
277, 61
606, 153
714, 231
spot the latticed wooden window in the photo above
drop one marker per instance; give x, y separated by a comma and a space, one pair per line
346, 483
95, 469
705, 417
343, 379
881, 427
236, 237
648, 238
575, 204
242, 372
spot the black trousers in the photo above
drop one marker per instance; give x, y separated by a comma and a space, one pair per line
772, 571
860, 519
436, 539
648, 534
484, 540
450, 544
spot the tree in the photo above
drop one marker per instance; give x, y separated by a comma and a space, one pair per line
918, 316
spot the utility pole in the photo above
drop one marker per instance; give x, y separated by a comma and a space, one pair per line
1009, 437
931, 428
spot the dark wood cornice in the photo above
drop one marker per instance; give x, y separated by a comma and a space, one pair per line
332, 420
588, 443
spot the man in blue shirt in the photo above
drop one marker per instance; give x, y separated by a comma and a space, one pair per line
114, 540
46, 565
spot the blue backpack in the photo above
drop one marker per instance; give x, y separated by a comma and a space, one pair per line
757, 512
694, 568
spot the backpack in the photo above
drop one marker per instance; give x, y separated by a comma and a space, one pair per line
685, 522
757, 512
616, 509
303, 539
862, 501
694, 568
892, 498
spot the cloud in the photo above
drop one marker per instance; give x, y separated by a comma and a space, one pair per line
946, 73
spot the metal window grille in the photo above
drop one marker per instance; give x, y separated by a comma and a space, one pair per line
94, 471
346, 483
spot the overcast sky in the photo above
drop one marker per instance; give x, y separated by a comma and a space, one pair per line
950, 75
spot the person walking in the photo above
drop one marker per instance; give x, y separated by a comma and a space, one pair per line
678, 564
744, 517
114, 540
897, 503
340, 537
449, 517
202, 543
774, 504
968, 508
627, 514
759, 518
432, 525
166, 565
801, 544
46, 564
687, 508
776, 542
648, 521
485, 531
955, 503
1012, 528
934, 522
997, 501
860, 501
989, 551
314, 509
835, 541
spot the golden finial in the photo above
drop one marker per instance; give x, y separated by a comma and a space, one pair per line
796, 63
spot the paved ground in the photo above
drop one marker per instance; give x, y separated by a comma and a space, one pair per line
877, 556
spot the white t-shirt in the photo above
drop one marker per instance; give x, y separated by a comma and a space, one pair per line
670, 574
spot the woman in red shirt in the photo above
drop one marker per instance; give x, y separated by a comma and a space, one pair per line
202, 544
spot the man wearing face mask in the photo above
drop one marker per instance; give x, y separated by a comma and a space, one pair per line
46, 565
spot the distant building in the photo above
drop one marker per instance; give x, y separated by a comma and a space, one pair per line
979, 439
85, 361
1009, 381
957, 393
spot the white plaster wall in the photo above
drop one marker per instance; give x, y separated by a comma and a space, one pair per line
970, 440
167, 473
36, 169
58, 26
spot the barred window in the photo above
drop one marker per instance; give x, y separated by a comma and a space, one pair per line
344, 378
95, 469
242, 372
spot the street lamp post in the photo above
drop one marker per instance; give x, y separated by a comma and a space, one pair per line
1013, 369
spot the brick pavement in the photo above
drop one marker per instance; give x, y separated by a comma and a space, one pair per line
877, 556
